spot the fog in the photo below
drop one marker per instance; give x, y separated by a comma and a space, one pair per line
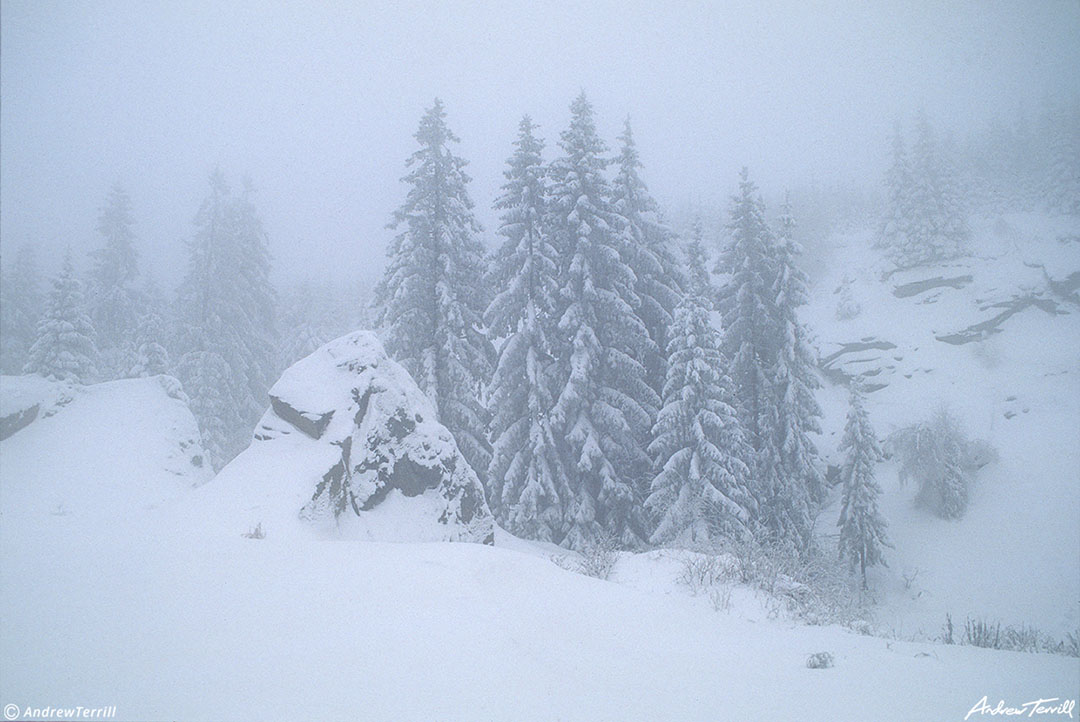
317, 103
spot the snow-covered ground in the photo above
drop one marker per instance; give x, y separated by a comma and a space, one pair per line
120, 586
1015, 556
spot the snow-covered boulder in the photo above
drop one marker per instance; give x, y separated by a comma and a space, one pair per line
352, 430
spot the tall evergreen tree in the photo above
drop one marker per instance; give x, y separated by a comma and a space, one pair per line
862, 528
698, 280
604, 401
65, 349
431, 297
794, 377
20, 310
528, 486
702, 490
115, 306
650, 254
223, 322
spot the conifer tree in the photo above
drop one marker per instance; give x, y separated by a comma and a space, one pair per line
603, 405
794, 377
649, 252
697, 272
225, 313
20, 310
528, 486
925, 221
432, 297
65, 349
747, 308
862, 528
702, 490
115, 305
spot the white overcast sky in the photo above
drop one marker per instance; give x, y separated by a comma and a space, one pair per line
318, 101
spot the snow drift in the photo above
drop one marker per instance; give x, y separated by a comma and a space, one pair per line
351, 444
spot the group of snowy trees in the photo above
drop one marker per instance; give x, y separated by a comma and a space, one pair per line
925, 218
933, 183
219, 336
594, 390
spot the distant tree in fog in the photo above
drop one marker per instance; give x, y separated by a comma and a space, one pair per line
20, 309
65, 348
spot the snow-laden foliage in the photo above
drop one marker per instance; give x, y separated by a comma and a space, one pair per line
225, 338
862, 528
794, 377
925, 220
115, 305
20, 309
528, 486
703, 486
937, 455
432, 296
649, 252
65, 349
604, 405
771, 365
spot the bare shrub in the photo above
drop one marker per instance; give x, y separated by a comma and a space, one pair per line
256, 533
596, 560
819, 660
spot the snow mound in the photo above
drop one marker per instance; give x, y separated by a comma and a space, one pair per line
351, 445
96, 452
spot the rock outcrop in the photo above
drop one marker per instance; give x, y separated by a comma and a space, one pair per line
368, 434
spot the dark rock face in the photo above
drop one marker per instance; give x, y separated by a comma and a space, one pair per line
19, 420
371, 432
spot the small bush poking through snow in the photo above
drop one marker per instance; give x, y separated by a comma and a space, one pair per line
701, 572
1021, 638
819, 660
256, 533
596, 560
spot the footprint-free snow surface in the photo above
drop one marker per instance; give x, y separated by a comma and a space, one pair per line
128, 581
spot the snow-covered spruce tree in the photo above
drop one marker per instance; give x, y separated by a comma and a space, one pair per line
862, 528
65, 349
432, 297
698, 281
603, 407
893, 235
934, 222
527, 483
115, 304
754, 337
151, 356
650, 254
221, 340
20, 310
794, 377
702, 490
257, 298
303, 328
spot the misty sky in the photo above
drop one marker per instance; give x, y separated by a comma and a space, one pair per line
318, 102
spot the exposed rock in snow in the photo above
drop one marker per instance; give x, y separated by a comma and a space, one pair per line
352, 427
24, 399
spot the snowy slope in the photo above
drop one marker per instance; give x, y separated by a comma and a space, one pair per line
140, 597
996, 339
